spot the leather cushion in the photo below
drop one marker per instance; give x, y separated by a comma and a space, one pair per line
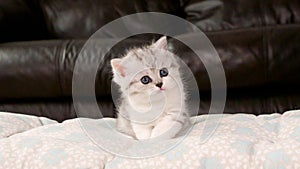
81, 18
215, 15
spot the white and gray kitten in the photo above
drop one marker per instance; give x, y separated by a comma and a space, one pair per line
152, 92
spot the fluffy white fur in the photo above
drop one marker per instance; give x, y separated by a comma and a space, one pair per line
147, 110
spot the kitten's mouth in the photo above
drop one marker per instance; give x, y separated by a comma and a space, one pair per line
161, 89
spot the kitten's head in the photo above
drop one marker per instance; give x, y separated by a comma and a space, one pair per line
148, 70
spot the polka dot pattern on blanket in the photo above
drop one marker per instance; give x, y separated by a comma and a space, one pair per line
238, 141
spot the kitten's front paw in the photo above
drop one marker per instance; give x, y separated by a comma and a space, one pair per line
142, 132
166, 129
155, 133
142, 136
159, 135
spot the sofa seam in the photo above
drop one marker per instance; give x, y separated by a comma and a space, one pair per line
59, 61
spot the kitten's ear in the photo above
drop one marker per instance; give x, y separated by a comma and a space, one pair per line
117, 67
161, 43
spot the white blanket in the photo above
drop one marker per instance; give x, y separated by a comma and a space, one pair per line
232, 141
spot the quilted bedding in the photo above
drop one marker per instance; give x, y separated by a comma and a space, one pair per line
237, 141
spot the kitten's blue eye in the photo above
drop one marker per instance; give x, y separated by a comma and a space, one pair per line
146, 79
163, 72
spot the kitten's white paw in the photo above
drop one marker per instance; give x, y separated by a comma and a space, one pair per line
162, 135
166, 129
142, 136
142, 132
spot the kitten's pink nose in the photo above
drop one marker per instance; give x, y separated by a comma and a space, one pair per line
159, 84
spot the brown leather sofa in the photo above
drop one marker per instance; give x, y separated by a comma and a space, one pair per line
257, 41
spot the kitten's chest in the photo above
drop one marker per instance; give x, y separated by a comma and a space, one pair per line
146, 110
150, 110
158, 102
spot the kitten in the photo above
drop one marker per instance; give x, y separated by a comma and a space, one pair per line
152, 92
